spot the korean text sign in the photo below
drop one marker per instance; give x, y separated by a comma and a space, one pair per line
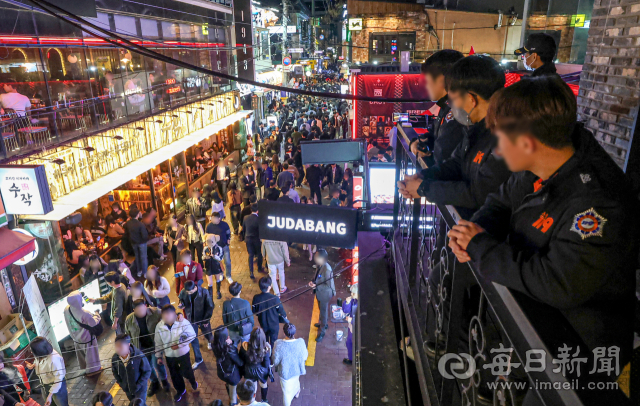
25, 189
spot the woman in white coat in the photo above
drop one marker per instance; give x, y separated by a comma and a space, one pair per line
86, 345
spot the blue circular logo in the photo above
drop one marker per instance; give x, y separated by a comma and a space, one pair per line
286, 61
321, 37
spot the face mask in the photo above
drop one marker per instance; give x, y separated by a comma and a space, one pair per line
461, 116
527, 66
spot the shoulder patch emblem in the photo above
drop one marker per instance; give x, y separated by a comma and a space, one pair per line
588, 224
585, 177
449, 116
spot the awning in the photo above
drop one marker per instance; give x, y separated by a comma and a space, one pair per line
72, 202
14, 246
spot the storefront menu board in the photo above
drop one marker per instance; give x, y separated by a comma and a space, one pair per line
25, 189
56, 309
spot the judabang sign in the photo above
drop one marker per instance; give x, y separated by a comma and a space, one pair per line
308, 224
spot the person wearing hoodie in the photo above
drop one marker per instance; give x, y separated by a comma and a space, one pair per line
86, 344
141, 326
130, 369
172, 338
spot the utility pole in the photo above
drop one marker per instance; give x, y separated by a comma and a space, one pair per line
285, 22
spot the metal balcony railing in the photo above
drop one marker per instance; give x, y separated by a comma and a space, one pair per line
65, 121
456, 318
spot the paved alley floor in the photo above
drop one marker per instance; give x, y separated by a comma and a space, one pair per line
327, 382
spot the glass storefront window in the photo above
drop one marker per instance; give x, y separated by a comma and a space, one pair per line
567, 22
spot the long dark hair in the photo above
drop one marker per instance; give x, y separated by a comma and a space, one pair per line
157, 282
257, 348
219, 342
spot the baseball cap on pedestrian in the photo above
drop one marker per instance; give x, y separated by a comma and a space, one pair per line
540, 43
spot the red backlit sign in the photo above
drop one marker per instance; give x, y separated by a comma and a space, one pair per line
170, 81
357, 191
173, 90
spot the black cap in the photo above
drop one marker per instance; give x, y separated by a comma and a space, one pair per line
539, 43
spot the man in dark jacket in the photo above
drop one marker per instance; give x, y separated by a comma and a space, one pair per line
235, 312
563, 228
198, 309
137, 234
130, 369
333, 175
473, 171
272, 193
269, 309
538, 54
314, 177
140, 325
248, 184
198, 206
447, 132
250, 228
221, 175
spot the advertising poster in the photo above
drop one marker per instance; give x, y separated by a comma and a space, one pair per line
39, 312
375, 119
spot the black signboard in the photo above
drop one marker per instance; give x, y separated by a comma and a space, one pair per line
242, 18
331, 151
308, 224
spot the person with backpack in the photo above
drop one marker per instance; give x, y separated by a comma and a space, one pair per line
84, 328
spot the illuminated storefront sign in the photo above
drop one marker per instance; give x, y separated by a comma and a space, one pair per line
173, 90
25, 189
308, 224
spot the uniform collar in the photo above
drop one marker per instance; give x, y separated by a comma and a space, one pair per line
546, 69
442, 103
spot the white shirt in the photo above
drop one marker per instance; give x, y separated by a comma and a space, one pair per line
51, 370
16, 101
221, 172
181, 333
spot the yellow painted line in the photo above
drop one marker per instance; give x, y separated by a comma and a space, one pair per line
114, 390
313, 333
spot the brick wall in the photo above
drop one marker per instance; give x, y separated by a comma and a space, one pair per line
610, 83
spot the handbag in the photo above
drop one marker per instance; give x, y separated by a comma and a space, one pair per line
245, 327
95, 331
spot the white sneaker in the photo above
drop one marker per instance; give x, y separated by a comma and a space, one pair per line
314, 266
229, 280
208, 346
196, 365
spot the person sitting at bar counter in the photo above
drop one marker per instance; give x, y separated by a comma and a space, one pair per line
81, 235
11, 99
118, 214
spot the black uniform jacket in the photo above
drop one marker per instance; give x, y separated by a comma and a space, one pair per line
447, 135
472, 172
570, 242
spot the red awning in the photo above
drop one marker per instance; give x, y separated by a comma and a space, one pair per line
14, 246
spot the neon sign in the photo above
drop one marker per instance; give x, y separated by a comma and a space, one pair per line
172, 90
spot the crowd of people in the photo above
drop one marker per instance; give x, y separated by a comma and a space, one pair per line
154, 339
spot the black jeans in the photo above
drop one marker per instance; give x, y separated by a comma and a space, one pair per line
271, 335
180, 369
300, 177
196, 246
316, 191
254, 249
222, 189
235, 217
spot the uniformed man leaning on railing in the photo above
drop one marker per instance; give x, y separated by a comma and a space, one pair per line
563, 228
